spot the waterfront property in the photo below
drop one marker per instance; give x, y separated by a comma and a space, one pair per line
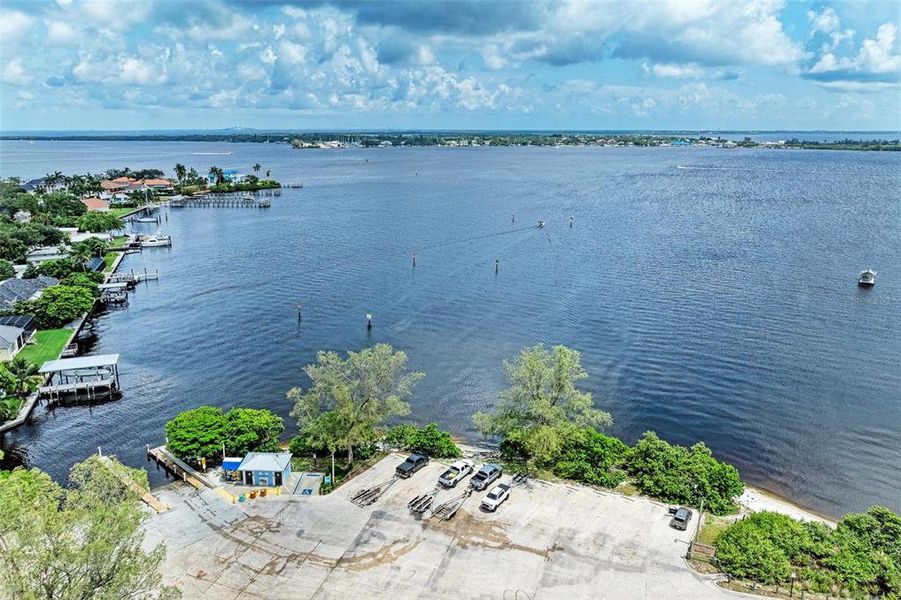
47, 345
12, 339
85, 376
13, 290
268, 469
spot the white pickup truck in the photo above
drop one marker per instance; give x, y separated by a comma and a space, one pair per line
456, 472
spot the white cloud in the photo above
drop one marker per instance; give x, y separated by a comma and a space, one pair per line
133, 70
60, 32
875, 57
14, 26
111, 12
677, 71
858, 86
14, 73
826, 21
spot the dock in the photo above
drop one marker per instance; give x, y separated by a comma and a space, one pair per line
173, 465
131, 278
86, 377
220, 202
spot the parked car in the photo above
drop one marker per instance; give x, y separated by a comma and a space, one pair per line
496, 497
488, 474
411, 465
681, 518
456, 472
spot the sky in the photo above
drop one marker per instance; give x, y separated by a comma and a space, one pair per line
455, 64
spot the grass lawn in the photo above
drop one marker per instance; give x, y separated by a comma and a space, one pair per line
119, 240
120, 211
48, 344
712, 528
108, 259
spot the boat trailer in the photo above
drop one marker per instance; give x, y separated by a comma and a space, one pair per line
370, 495
447, 510
420, 504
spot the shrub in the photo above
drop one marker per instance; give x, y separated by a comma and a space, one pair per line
681, 475
427, 440
58, 268
82, 280
591, 457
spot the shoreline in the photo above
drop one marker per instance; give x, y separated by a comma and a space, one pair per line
756, 498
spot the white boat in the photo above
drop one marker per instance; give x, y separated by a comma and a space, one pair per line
867, 278
146, 219
156, 241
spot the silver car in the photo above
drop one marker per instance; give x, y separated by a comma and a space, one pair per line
488, 474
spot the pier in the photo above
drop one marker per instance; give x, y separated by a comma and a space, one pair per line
221, 202
173, 465
86, 377
132, 278
148, 498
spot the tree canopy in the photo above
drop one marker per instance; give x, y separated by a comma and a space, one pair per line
681, 475
77, 543
363, 391
58, 305
542, 403
6, 269
204, 431
97, 222
427, 440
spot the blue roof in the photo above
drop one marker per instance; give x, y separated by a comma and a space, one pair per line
230, 172
231, 464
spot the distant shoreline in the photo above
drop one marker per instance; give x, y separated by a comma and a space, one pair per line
854, 141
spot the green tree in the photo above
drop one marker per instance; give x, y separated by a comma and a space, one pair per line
217, 175
74, 544
542, 403
82, 280
591, 457
681, 475
199, 432
364, 390
427, 440
249, 429
58, 305
180, 172
11, 248
97, 222
257, 167
6, 269
59, 267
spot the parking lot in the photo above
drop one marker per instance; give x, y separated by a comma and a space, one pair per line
549, 540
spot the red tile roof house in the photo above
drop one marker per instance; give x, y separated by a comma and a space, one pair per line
95, 204
157, 184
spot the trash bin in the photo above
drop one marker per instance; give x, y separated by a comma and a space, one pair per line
253, 494
241, 498
263, 493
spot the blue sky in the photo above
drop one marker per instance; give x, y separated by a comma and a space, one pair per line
711, 64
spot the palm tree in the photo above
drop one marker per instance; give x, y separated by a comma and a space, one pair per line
268, 173
257, 167
180, 172
24, 372
216, 175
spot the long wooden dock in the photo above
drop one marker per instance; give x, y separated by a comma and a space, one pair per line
170, 463
210, 202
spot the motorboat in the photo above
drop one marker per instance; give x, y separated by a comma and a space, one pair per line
540, 224
867, 278
146, 220
156, 241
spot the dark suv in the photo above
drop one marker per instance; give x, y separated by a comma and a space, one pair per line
487, 475
681, 518
411, 465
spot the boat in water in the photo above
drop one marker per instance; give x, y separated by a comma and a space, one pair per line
156, 241
867, 278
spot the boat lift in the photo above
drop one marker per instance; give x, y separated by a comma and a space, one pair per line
367, 496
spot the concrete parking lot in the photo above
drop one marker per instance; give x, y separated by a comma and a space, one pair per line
548, 541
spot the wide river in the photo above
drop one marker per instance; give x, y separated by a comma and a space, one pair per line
712, 294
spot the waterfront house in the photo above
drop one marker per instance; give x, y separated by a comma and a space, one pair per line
13, 290
269, 469
12, 339
24, 321
158, 185
95, 204
44, 184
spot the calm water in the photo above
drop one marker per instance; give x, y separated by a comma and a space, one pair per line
712, 294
